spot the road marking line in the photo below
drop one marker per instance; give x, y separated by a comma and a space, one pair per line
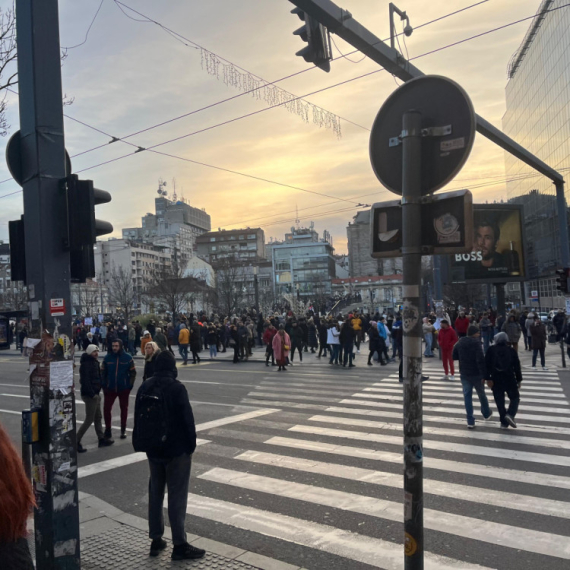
441, 419
102, 466
439, 445
477, 495
545, 392
511, 436
532, 478
10, 412
136, 457
376, 552
453, 400
467, 527
561, 420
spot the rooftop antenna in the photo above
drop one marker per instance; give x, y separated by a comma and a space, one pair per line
174, 196
161, 184
297, 220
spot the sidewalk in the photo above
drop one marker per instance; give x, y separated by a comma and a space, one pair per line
111, 538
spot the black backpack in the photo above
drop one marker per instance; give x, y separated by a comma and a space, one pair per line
502, 362
151, 418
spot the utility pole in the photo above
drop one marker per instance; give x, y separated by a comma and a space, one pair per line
256, 288
412, 261
43, 165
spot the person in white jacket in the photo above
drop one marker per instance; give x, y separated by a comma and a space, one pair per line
333, 334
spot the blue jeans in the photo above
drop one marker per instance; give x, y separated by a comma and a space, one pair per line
348, 348
132, 347
334, 353
429, 341
468, 383
183, 350
213, 350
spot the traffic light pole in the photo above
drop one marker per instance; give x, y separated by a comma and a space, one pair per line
54, 469
411, 324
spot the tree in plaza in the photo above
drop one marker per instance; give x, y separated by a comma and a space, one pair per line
168, 287
122, 293
85, 298
8, 56
229, 286
15, 297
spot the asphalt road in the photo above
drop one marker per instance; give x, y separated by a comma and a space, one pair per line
305, 466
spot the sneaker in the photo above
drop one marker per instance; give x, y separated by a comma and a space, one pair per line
545, 369
106, 442
187, 552
108, 434
358, 352
489, 416
446, 377
510, 421
425, 378
533, 367
123, 434
470, 426
80, 448
452, 377
503, 426
156, 546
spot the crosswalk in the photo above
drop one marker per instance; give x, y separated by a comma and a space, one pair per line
323, 473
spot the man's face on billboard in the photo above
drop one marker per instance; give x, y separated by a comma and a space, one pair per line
485, 241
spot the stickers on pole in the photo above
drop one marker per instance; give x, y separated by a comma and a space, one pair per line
57, 307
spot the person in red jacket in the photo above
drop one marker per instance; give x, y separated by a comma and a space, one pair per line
461, 324
446, 339
268, 335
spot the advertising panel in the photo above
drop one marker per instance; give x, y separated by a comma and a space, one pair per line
498, 247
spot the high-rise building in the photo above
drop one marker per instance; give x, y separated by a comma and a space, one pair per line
360, 262
304, 265
175, 225
538, 118
234, 246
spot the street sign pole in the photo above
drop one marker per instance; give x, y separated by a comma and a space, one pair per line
411, 322
54, 468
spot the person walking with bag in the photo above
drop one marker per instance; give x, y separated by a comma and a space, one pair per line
469, 352
503, 375
166, 432
90, 380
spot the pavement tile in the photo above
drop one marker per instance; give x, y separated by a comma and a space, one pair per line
264, 562
218, 548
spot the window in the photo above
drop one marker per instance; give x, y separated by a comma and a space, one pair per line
241, 237
213, 248
251, 236
213, 239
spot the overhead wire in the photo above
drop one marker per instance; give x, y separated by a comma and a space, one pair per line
342, 83
88, 29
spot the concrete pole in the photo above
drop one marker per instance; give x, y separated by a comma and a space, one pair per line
54, 456
412, 357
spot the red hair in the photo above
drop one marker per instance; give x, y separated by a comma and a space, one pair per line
16, 496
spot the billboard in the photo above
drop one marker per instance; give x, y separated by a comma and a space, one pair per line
498, 254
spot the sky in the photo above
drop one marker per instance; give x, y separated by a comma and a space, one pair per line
130, 75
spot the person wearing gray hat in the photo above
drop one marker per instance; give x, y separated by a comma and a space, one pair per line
503, 375
469, 351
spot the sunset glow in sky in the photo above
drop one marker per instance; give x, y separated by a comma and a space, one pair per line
130, 75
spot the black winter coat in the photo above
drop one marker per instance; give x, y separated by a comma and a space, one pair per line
149, 367
502, 365
89, 376
469, 351
181, 427
347, 334
374, 340
313, 343
196, 338
296, 335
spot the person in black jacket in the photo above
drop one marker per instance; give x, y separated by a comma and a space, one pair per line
347, 336
151, 351
196, 341
469, 352
323, 332
374, 344
170, 462
297, 337
503, 374
90, 380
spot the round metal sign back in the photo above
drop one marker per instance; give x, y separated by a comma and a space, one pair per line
448, 125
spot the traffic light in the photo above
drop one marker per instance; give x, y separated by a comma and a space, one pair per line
318, 50
83, 229
562, 280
